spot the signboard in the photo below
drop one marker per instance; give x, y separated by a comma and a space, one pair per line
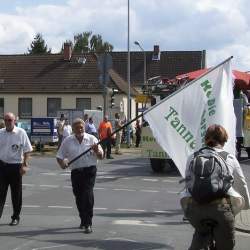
142, 99
150, 148
44, 129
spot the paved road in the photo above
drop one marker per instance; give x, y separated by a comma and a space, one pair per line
135, 209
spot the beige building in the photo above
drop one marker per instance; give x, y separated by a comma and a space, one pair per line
40, 85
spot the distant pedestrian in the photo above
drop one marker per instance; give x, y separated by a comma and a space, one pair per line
2, 125
67, 129
105, 130
118, 135
138, 130
90, 128
59, 127
83, 172
14, 151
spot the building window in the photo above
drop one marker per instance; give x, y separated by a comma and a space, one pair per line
53, 105
83, 103
1, 107
25, 107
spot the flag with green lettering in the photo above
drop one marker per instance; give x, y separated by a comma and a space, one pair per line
179, 122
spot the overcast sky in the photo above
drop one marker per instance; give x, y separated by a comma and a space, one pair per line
219, 27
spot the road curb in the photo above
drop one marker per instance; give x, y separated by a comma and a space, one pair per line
242, 221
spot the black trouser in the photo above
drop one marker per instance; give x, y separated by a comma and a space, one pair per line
138, 140
10, 176
83, 181
106, 145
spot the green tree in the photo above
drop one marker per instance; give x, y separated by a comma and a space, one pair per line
82, 42
38, 46
86, 42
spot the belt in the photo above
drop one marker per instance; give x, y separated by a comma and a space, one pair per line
2, 163
224, 200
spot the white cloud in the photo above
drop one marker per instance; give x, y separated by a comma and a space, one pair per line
220, 27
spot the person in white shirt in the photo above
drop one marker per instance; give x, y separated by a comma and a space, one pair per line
67, 129
15, 147
222, 210
83, 170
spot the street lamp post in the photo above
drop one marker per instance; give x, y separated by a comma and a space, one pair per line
144, 62
128, 79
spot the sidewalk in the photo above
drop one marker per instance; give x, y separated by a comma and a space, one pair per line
242, 221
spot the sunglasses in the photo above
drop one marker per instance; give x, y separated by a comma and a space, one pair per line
8, 120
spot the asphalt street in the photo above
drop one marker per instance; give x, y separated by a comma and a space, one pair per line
135, 209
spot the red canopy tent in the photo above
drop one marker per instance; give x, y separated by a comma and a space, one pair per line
241, 79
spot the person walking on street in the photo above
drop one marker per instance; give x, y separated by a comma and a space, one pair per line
83, 170
67, 129
138, 129
105, 130
118, 138
59, 127
15, 148
220, 211
2, 125
90, 128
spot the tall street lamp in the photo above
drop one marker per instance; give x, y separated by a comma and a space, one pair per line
128, 79
144, 60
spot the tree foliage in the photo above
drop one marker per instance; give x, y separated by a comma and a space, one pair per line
38, 45
86, 42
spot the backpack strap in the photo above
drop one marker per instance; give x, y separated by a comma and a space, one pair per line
223, 155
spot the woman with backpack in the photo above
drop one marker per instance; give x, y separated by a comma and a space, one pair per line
216, 175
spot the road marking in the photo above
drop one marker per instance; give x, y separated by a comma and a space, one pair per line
31, 206
153, 180
28, 185
23, 245
39, 248
121, 239
100, 208
130, 210
123, 189
173, 192
99, 188
67, 186
170, 181
160, 211
67, 174
59, 207
134, 223
49, 186
149, 191
51, 173
107, 177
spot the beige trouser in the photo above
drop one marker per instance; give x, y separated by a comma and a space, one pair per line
223, 233
118, 142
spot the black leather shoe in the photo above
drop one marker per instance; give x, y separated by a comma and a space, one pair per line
88, 230
14, 222
81, 226
110, 157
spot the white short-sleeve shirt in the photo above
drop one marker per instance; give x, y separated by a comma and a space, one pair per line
71, 148
13, 145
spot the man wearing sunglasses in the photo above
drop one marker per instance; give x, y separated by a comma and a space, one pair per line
14, 151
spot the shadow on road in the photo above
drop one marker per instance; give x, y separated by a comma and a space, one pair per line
166, 213
102, 244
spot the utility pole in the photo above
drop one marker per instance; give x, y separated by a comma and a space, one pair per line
104, 64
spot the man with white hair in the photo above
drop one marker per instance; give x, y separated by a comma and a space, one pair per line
83, 170
15, 147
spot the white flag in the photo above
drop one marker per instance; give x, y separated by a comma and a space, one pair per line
180, 121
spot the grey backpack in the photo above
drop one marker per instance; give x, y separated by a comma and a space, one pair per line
209, 176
